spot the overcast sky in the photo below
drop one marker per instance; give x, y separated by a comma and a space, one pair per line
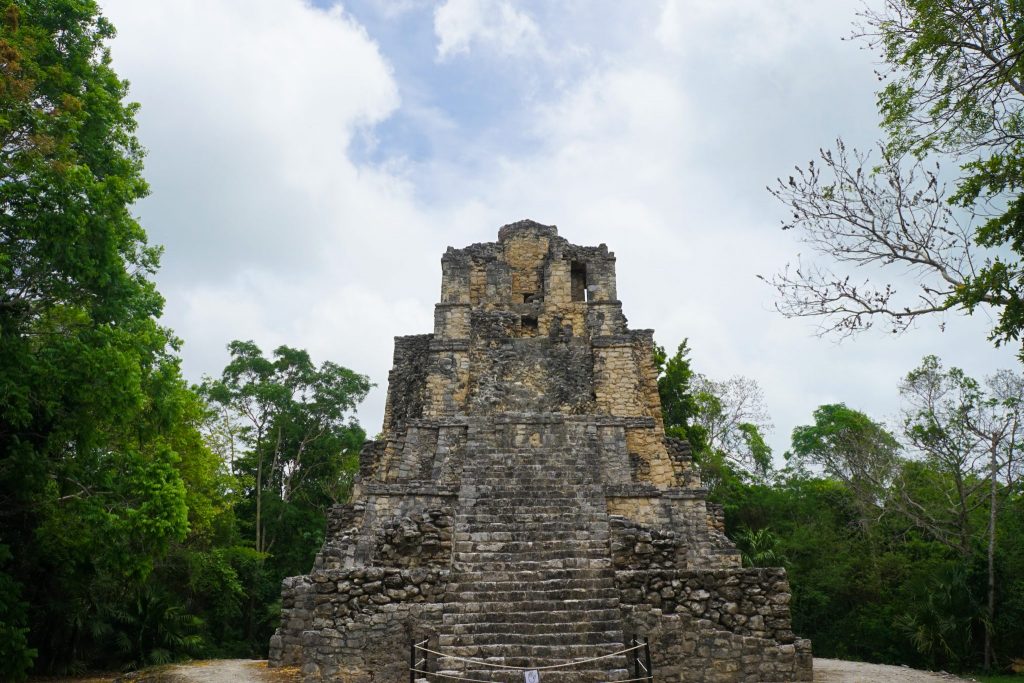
310, 163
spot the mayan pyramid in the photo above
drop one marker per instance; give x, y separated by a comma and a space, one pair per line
523, 509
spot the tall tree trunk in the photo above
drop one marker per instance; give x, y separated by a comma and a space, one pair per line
994, 446
259, 500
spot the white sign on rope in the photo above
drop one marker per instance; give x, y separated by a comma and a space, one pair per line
532, 676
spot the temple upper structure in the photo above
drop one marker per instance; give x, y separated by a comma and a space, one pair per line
522, 507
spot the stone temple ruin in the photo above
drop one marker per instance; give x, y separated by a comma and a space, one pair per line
523, 509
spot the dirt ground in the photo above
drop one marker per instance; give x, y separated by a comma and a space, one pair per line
205, 671
252, 671
226, 670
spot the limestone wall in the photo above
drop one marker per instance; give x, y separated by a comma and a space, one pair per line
723, 626
529, 322
745, 601
355, 625
684, 648
407, 380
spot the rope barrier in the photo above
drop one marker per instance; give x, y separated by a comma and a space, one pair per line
532, 668
458, 678
477, 680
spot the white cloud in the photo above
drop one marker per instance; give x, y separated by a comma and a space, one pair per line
272, 232
494, 24
659, 149
248, 112
741, 31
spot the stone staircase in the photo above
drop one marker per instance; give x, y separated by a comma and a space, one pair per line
532, 583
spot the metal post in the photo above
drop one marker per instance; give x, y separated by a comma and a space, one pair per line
647, 657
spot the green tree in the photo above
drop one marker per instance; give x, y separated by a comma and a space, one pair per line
759, 548
678, 402
724, 422
852, 448
953, 92
286, 426
968, 432
946, 494
96, 442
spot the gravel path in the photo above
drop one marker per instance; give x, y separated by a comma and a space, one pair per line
223, 671
838, 671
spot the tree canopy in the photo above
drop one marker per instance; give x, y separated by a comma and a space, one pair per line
121, 533
94, 416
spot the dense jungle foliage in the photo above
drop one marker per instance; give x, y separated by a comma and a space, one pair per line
902, 546
140, 519
144, 520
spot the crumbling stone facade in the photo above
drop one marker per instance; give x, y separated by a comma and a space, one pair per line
523, 506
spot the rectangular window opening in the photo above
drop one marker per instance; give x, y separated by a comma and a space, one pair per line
579, 281
528, 323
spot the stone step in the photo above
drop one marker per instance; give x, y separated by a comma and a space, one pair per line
545, 469
522, 520
547, 676
579, 606
524, 538
599, 584
522, 524
546, 475
534, 466
578, 592
557, 513
533, 575
546, 556
569, 545
542, 529
511, 639
495, 508
550, 478
532, 581
515, 596
490, 450
547, 616
560, 504
535, 654
525, 552
467, 564
553, 503
532, 535
530, 489
551, 474
538, 461
569, 629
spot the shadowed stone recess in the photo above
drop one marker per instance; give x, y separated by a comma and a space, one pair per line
523, 506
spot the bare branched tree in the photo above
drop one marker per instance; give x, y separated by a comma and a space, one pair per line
952, 89
733, 420
891, 222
